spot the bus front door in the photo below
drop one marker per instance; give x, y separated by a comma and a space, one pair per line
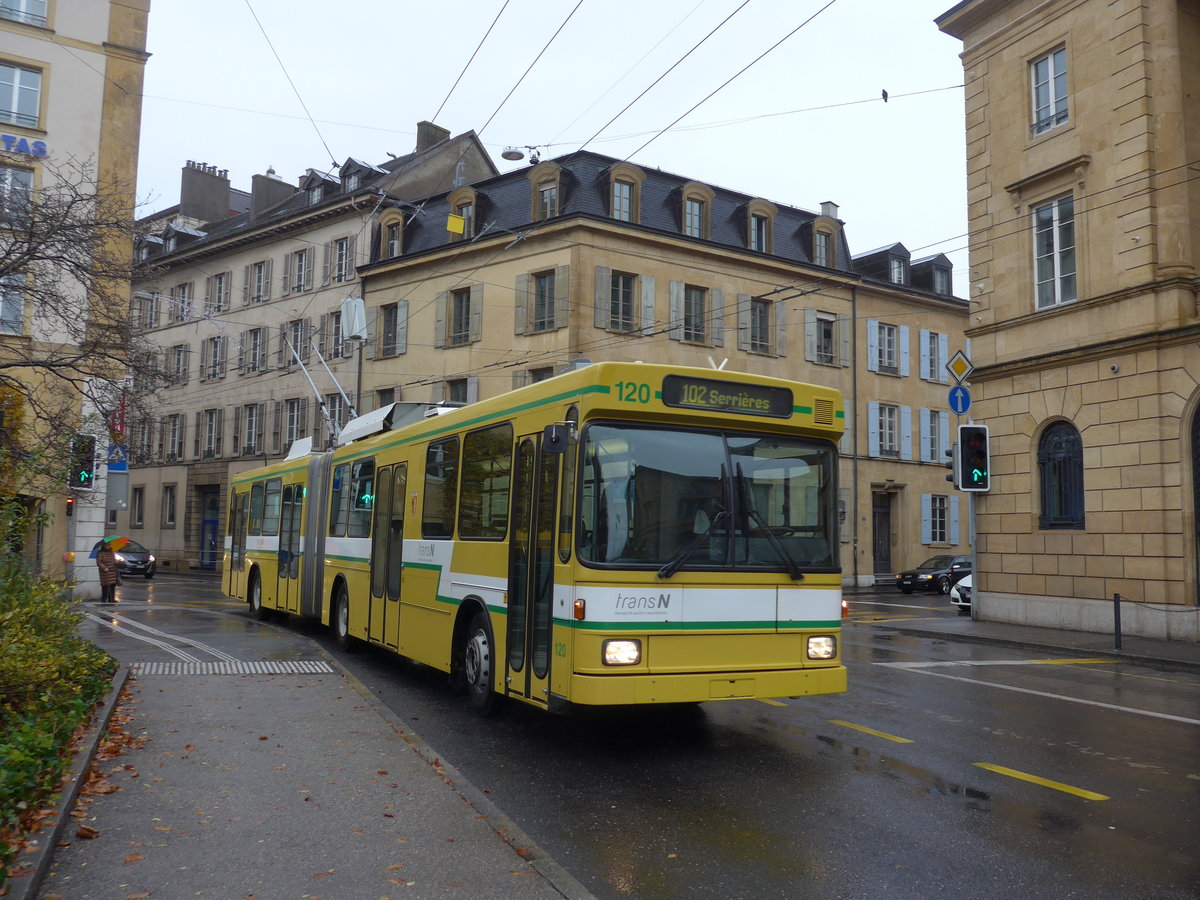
290, 560
531, 572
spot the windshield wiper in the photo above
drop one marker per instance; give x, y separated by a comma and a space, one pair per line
686, 552
748, 504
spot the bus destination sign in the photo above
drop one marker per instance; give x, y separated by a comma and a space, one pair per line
726, 396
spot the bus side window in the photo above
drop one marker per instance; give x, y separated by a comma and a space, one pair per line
359, 523
339, 501
441, 489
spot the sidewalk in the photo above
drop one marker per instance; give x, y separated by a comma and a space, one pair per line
281, 786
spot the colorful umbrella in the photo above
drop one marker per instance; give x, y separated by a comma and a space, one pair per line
113, 542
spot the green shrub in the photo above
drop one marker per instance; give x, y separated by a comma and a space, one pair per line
50, 680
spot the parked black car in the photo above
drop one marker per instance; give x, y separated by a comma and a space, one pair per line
134, 559
938, 573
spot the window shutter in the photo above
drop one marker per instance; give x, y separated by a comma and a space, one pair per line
322, 336
303, 424
285, 286
162, 438
401, 327
873, 428
562, 295
926, 518
283, 357
952, 527
648, 319
906, 432
472, 388
744, 305
944, 443
924, 414
810, 335
246, 286
236, 449
846, 444
521, 305
520, 379
718, 319
277, 431
267, 276
204, 360
223, 343
904, 350
438, 391
476, 312
220, 431
844, 337
872, 345
308, 268
196, 437
781, 331
943, 357
209, 303
923, 344
439, 320
326, 251
675, 320
603, 311
306, 328
352, 256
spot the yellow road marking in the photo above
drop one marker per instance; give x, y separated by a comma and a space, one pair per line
770, 702
1074, 662
1044, 782
865, 730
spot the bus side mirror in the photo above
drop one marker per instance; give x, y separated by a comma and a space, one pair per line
555, 437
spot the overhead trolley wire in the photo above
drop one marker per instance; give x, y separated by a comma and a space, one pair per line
471, 60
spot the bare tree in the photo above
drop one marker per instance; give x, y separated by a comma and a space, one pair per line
66, 253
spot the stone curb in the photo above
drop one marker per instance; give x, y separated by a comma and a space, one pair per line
29, 868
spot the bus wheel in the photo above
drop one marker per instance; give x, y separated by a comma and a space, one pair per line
256, 607
478, 666
341, 620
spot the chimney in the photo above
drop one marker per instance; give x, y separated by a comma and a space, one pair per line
267, 191
204, 192
829, 208
429, 134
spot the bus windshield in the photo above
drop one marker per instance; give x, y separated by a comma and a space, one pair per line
685, 499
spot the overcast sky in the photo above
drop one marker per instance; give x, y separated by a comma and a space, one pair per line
248, 84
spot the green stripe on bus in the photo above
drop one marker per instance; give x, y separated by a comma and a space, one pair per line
767, 625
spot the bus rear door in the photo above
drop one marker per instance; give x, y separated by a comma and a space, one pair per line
290, 559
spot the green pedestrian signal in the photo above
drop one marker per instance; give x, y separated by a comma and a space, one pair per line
83, 462
974, 458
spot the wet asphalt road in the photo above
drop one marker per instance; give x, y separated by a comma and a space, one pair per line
948, 769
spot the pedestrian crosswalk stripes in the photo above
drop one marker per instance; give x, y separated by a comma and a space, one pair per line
235, 667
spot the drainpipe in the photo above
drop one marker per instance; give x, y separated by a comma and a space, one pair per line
854, 408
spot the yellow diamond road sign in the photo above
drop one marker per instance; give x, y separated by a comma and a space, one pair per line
960, 367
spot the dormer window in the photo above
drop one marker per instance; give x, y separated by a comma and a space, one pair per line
315, 193
169, 243
351, 182
547, 182
941, 281
625, 192
760, 225
697, 203
822, 248
462, 204
897, 270
391, 234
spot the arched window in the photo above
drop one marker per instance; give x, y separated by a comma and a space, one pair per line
1060, 465
625, 192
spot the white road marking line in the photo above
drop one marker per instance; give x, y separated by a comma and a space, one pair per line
191, 642
1020, 690
182, 654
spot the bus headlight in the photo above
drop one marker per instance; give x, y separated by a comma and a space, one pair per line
822, 646
622, 652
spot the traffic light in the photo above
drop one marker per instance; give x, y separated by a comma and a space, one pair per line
974, 458
83, 462
952, 464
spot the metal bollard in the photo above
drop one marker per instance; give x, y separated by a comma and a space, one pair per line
1117, 620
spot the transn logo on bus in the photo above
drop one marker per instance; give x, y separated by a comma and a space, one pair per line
632, 601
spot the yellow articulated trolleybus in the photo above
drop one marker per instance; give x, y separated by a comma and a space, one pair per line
622, 533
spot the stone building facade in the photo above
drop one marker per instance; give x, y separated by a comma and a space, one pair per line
71, 74
1083, 135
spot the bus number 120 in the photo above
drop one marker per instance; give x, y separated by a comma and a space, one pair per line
633, 392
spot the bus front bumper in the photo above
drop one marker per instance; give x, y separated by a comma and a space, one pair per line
606, 690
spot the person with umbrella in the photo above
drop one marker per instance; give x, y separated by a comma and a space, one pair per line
106, 562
